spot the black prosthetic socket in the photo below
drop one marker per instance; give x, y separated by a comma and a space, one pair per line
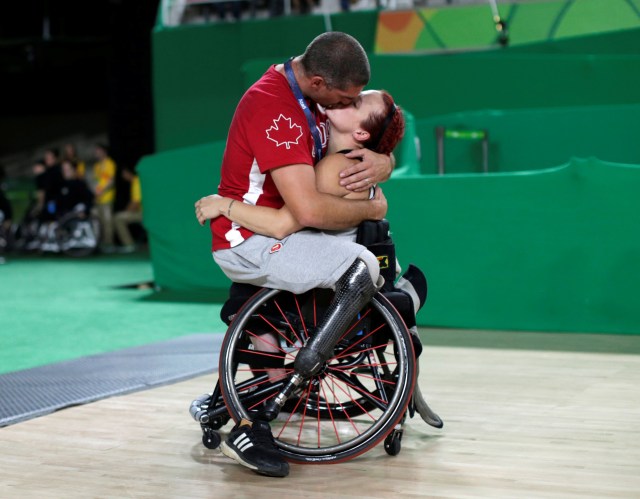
353, 291
375, 235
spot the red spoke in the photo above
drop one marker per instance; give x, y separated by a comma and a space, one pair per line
367, 376
262, 352
363, 338
333, 422
315, 310
348, 394
283, 336
284, 316
360, 390
368, 349
356, 325
304, 412
286, 423
344, 410
275, 377
304, 324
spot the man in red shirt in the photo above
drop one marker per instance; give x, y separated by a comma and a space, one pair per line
278, 133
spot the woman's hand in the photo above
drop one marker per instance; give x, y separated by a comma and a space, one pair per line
373, 169
380, 203
210, 207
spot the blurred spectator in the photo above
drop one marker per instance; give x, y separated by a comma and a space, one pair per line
235, 7
75, 194
48, 185
303, 6
131, 214
38, 169
103, 182
276, 8
70, 153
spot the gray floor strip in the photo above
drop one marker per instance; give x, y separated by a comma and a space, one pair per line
35, 392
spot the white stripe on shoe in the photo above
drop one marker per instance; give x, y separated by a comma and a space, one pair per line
243, 442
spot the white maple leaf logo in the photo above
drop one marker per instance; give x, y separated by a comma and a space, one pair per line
283, 132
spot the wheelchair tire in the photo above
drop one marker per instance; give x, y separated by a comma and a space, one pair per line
345, 410
78, 236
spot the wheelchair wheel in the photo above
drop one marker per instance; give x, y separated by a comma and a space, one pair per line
345, 410
25, 235
77, 235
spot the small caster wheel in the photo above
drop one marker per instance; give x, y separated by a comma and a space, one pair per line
211, 439
393, 443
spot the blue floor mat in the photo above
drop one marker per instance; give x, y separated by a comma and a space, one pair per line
35, 392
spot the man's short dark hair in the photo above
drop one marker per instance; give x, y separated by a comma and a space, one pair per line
339, 59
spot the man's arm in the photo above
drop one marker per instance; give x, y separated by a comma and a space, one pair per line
297, 186
373, 169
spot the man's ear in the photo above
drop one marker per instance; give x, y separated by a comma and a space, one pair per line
317, 82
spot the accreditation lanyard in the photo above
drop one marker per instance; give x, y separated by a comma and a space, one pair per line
315, 133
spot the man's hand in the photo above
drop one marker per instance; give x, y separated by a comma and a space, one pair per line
210, 207
373, 169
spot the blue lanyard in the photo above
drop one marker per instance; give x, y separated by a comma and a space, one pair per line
303, 104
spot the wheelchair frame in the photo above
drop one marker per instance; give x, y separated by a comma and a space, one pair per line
360, 398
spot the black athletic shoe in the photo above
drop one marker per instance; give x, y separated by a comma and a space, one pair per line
252, 446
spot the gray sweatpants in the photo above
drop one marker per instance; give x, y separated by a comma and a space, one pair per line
302, 261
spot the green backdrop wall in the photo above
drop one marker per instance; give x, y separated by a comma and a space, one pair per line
198, 71
529, 139
197, 77
526, 247
553, 249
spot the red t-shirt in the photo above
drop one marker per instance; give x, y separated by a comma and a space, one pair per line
269, 130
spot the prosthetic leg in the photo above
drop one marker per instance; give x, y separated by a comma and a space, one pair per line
353, 291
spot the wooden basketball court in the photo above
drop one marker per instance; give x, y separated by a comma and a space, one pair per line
518, 424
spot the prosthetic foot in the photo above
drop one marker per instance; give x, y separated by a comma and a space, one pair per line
427, 415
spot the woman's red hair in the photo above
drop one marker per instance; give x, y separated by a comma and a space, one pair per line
385, 129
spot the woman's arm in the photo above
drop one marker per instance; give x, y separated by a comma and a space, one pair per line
259, 219
278, 223
328, 176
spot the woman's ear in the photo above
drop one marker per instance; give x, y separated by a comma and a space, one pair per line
360, 135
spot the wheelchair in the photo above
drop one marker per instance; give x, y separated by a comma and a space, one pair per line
360, 398
78, 235
75, 234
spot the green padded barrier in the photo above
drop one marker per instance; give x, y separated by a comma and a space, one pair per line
551, 250
171, 183
529, 139
441, 85
618, 42
464, 82
554, 249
